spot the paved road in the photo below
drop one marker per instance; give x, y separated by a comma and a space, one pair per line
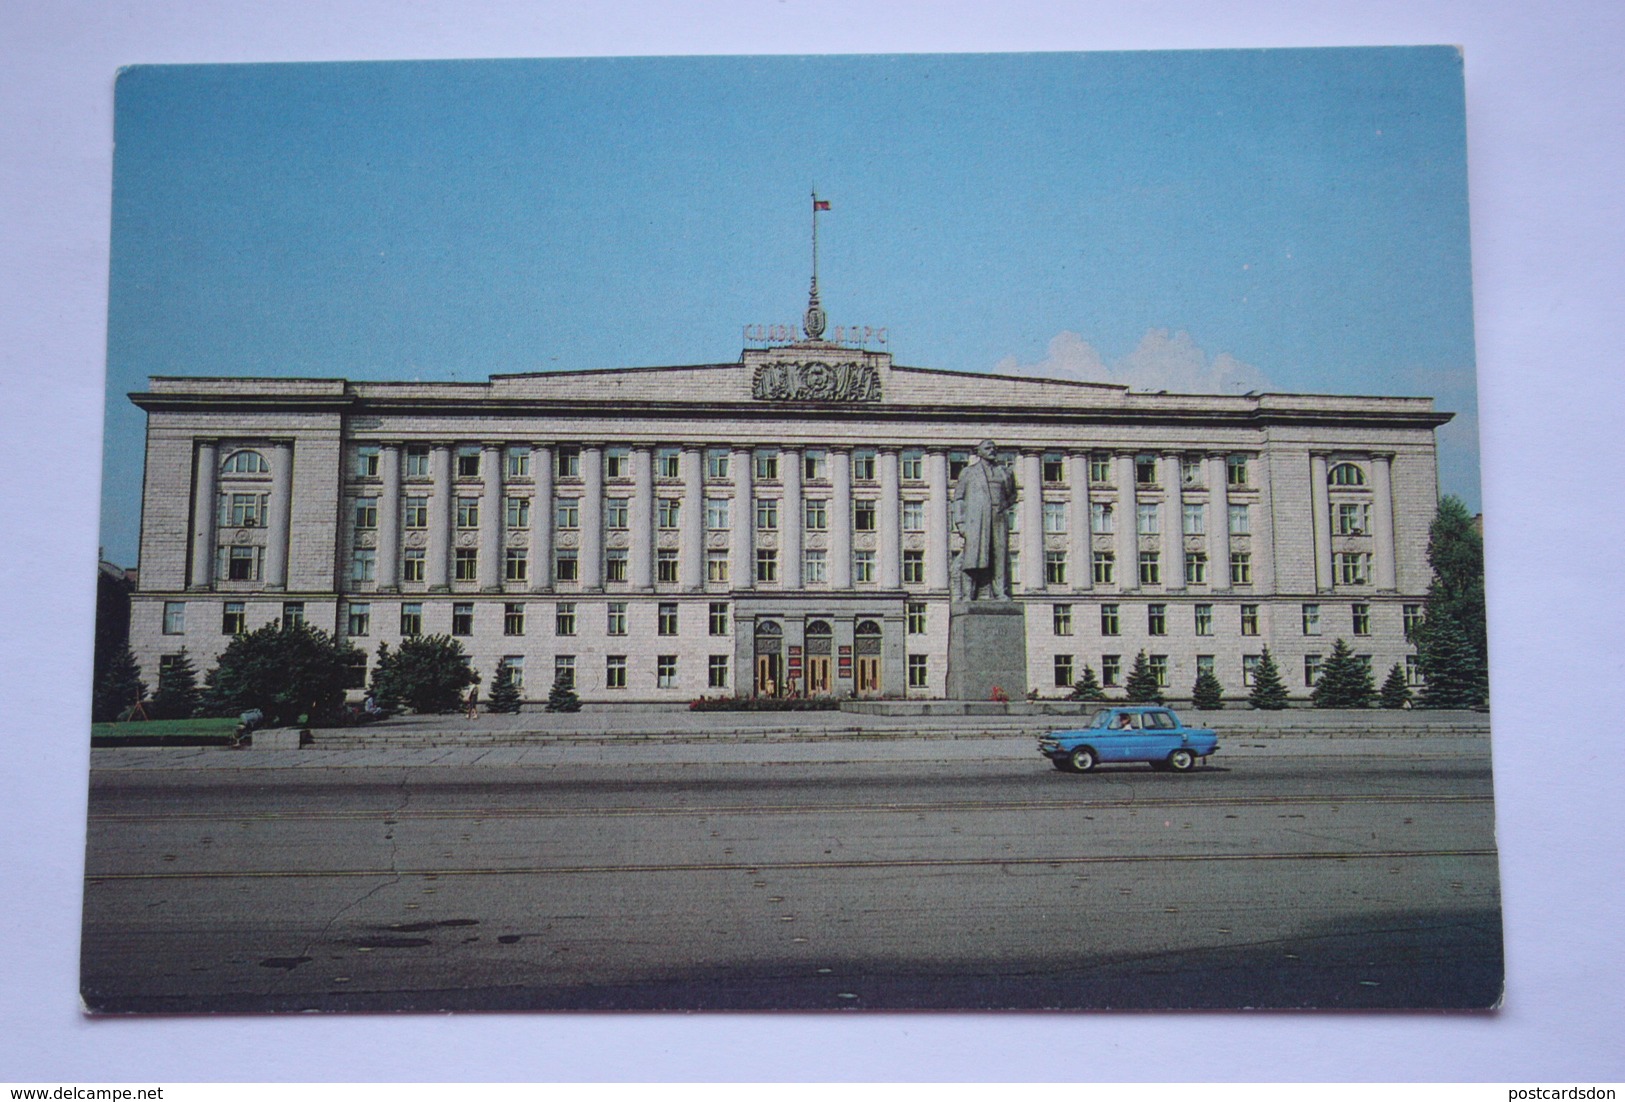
910, 875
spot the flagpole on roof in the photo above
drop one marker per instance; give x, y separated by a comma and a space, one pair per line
815, 319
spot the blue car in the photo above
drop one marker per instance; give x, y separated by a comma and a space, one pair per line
1132, 732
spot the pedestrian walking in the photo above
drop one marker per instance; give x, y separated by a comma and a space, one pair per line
472, 704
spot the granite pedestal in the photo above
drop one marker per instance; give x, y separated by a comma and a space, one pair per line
987, 649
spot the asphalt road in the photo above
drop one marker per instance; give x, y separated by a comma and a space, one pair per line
1268, 882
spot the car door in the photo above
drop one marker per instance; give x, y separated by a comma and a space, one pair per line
1161, 736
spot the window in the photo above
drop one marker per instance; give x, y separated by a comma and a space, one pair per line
813, 569
355, 672
615, 618
1235, 470
1204, 619
1311, 669
1195, 519
417, 512
718, 623
1311, 619
1353, 567
1412, 620
666, 620
767, 466
666, 565
468, 461
913, 465
1100, 468
1205, 664
1055, 516
615, 671
242, 564
1145, 470
1190, 471
564, 618
815, 465
465, 564
863, 566
1053, 468
666, 514
245, 462
564, 670
513, 618
1100, 518
1362, 619
919, 673
1147, 519
468, 512
913, 516
1156, 619
1196, 568
1054, 567
363, 564
1241, 568
1240, 521
1249, 619
567, 462
615, 565
615, 513
516, 564
863, 466
716, 464
1249, 668
411, 619
957, 462
412, 565
1150, 568
1158, 664
175, 618
863, 515
1104, 567
716, 513
515, 665
1353, 518
916, 617
366, 461
716, 672
519, 461
817, 513
293, 613
666, 671
1063, 671
914, 567
519, 512
359, 619
767, 565
1111, 668
1061, 619
1109, 623
248, 510
566, 566
668, 463
462, 619
617, 463
767, 514
417, 461
716, 567
1413, 670
1345, 474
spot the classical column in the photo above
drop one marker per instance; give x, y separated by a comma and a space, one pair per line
936, 521
590, 558
1320, 509
1173, 542
1077, 523
742, 540
389, 519
489, 568
790, 520
279, 522
1128, 526
541, 518
205, 508
891, 522
439, 517
1382, 520
1031, 504
640, 520
691, 550
1218, 524
840, 518
1263, 540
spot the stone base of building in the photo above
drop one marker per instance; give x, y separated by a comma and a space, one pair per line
987, 650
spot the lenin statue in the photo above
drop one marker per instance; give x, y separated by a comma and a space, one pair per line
982, 499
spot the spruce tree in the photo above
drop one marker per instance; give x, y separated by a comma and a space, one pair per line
1396, 693
562, 698
384, 693
1208, 694
1344, 681
178, 695
505, 696
1087, 687
1451, 643
1141, 686
1269, 691
1454, 678
120, 688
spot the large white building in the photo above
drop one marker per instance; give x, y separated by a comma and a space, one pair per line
781, 524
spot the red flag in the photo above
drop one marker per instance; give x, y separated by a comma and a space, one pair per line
820, 204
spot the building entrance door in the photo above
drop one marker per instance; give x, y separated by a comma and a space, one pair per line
769, 658
819, 638
866, 672
868, 676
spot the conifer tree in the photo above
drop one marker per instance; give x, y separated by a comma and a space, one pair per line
1344, 681
562, 698
178, 694
1451, 644
384, 689
1087, 687
1269, 691
121, 687
505, 696
1454, 676
1395, 691
1141, 686
428, 673
1207, 695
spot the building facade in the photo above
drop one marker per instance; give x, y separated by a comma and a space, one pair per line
781, 524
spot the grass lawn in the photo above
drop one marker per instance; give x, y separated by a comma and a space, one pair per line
164, 728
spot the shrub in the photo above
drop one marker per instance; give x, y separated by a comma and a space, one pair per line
1208, 694
1344, 681
1141, 686
426, 673
1396, 692
1087, 687
1269, 691
504, 693
286, 671
562, 698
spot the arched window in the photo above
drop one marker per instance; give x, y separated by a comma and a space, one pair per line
868, 627
819, 627
245, 462
1346, 474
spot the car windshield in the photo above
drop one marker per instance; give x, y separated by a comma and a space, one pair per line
1102, 718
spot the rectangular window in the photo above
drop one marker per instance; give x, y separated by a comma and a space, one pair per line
465, 564
1156, 619
1054, 567
863, 515
1353, 567
514, 664
716, 672
519, 512
175, 618
617, 463
516, 564
767, 466
233, 620
412, 565
815, 513
1109, 622
513, 618
668, 463
1311, 670
815, 465
1413, 670
615, 565
1055, 516
417, 512
1100, 518
813, 567
716, 567
1204, 619
1241, 568
957, 462
468, 462
666, 671
919, 672
718, 622
1063, 671
1311, 619
1159, 669
462, 619
1145, 470
1100, 468
564, 618
468, 512
417, 461
1235, 470
1249, 619
863, 466
1196, 568
615, 513
1205, 664
716, 513
1148, 519
411, 619
1061, 619
366, 512
767, 514
916, 617
1362, 619
248, 510
666, 565
767, 565
567, 462
564, 670
243, 563
1104, 567
566, 566
363, 565
1353, 519
615, 618
913, 516
615, 671
666, 515
1150, 568
914, 567
1190, 471
519, 461
359, 619
913, 464
1054, 468
1412, 620
666, 619
1240, 520
863, 566
1195, 523
366, 461
716, 464
1249, 668
1111, 668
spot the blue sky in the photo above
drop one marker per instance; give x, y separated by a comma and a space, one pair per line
1286, 219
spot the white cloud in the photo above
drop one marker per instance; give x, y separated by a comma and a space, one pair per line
1161, 361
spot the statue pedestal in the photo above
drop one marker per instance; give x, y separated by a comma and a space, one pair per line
987, 647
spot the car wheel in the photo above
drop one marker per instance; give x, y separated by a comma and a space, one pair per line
1182, 761
1082, 760
1063, 764
1159, 766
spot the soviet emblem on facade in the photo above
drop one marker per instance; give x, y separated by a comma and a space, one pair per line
816, 381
